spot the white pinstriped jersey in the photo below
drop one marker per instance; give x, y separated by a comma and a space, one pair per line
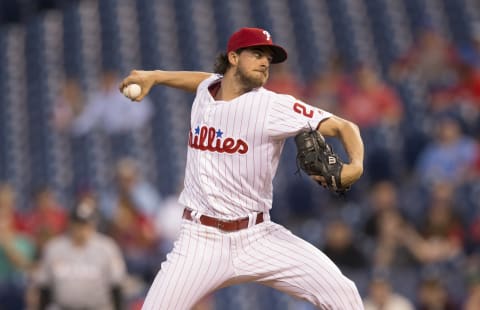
233, 154
235, 146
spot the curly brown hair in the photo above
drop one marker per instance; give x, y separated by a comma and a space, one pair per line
222, 64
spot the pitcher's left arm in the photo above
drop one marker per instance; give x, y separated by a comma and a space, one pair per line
349, 135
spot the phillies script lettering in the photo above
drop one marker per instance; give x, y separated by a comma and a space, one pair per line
210, 139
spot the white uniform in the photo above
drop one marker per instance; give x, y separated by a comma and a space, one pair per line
234, 150
81, 277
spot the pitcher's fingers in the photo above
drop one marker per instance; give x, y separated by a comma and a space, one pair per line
135, 77
318, 178
122, 85
145, 90
127, 81
141, 96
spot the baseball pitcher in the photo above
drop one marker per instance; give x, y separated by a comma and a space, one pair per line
237, 132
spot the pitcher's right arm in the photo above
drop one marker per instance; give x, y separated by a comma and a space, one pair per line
184, 80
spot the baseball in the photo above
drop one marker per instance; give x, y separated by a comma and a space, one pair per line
132, 91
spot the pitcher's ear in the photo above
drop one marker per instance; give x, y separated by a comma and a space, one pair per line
233, 58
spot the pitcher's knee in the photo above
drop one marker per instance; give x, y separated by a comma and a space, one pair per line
342, 295
354, 297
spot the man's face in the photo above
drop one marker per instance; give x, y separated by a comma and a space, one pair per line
81, 231
253, 65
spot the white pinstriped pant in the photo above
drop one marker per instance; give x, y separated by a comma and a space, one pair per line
205, 259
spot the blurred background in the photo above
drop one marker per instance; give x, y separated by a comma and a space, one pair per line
406, 71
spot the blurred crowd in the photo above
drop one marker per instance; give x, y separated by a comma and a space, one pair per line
409, 232
116, 239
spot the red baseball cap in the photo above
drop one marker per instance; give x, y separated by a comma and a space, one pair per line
249, 37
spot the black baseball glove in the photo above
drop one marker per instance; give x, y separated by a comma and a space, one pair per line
316, 157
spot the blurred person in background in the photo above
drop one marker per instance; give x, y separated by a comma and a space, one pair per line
376, 108
442, 192
433, 295
89, 197
283, 81
381, 295
81, 269
16, 255
341, 247
432, 59
134, 231
446, 194
46, 219
468, 88
466, 93
131, 209
461, 99
8, 201
383, 226
450, 156
472, 277
473, 298
473, 236
371, 102
442, 222
390, 251
326, 88
383, 197
67, 105
168, 221
440, 237
131, 185
470, 50
466, 98
106, 109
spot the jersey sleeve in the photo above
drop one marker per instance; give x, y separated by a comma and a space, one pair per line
287, 116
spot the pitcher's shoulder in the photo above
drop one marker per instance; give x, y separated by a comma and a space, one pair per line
276, 96
212, 79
